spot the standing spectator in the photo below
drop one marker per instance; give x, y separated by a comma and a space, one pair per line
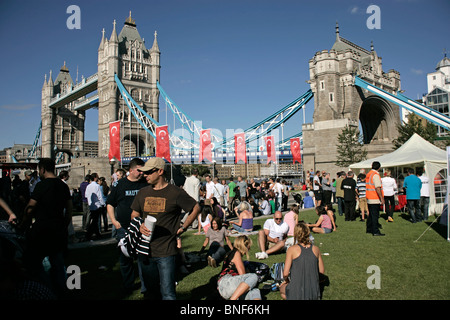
413, 184
209, 187
424, 194
327, 188
273, 236
233, 281
242, 188
389, 189
64, 176
192, 187
118, 206
374, 195
350, 196
231, 195
302, 267
333, 191
51, 207
361, 190
340, 192
86, 212
94, 196
103, 215
164, 202
318, 189
219, 192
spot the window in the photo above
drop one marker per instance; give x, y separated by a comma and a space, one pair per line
322, 85
135, 94
331, 97
440, 186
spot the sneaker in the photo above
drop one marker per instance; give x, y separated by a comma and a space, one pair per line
261, 255
390, 219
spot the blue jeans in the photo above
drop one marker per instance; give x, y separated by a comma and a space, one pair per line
424, 203
340, 202
414, 210
216, 251
158, 274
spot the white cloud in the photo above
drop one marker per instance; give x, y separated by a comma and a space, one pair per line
416, 71
354, 10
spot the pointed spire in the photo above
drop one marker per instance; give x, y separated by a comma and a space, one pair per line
102, 42
130, 21
50, 80
64, 68
371, 46
155, 46
337, 31
45, 80
114, 33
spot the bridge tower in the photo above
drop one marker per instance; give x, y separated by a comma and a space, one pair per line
126, 55
338, 102
62, 128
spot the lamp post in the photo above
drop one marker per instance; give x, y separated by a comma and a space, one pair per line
112, 162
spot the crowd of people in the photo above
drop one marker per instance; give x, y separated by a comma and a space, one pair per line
215, 209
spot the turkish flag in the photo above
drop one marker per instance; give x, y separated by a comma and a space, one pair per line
270, 147
114, 140
163, 143
205, 145
240, 147
295, 150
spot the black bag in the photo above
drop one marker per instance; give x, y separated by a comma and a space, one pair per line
260, 269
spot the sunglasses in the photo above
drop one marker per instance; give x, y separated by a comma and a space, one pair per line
277, 218
149, 172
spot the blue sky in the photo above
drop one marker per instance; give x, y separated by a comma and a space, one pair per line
228, 63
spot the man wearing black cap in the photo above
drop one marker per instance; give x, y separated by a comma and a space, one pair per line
164, 202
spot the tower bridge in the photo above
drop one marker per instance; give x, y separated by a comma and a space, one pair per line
347, 82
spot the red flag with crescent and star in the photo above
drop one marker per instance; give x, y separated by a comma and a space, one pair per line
163, 143
205, 145
295, 150
270, 147
240, 152
114, 140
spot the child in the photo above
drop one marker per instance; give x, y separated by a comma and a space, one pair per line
323, 225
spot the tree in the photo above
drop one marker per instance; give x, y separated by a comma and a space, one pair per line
350, 147
415, 124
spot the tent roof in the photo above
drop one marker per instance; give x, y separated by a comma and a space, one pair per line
415, 150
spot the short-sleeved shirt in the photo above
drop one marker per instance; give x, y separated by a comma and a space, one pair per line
276, 230
165, 205
413, 184
231, 187
242, 188
121, 197
218, 236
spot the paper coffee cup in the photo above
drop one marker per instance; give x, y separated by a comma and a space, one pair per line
150, 222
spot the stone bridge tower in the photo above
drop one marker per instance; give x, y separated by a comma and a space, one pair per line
338, 102
138, 68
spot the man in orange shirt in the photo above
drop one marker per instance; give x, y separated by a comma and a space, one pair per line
374, 196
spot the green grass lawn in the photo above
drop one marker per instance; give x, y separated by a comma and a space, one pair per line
409, 269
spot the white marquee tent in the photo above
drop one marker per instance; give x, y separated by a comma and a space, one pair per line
414, 153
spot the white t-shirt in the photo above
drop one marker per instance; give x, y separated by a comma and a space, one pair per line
389, 186
276, 230
209, 189
278, 189
316, 186
425, 190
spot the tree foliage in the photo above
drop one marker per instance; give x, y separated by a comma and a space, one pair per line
415, 124
350, 147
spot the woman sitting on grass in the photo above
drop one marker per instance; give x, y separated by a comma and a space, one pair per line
245, 223
216, 236
233, 280
324, 223
205, 218
302, 267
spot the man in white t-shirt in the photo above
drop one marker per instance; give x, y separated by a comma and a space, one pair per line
273, 236
209, 187
218, 192
278, 189
424, 195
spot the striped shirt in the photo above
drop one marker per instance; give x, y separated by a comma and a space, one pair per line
361, 187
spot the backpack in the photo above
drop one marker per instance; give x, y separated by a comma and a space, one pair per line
260, 269
276, 271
